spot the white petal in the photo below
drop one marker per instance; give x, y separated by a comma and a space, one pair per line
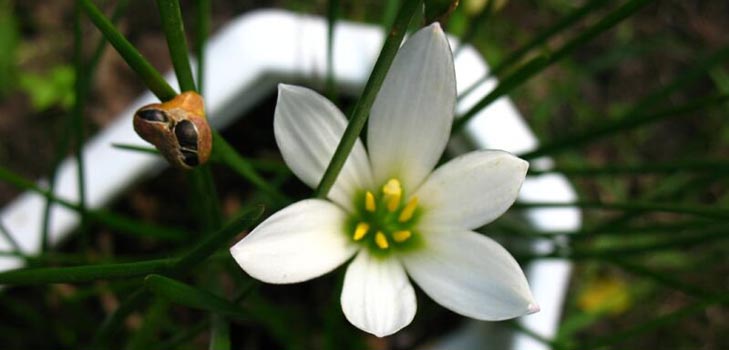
411, 118
308, 128
471, 190
300, 242
377, 296
470, 274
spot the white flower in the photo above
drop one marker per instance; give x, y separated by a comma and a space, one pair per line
388, 208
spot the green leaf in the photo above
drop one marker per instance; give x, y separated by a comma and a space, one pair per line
79, 274
539, 63
9, 34
54, 88
183, 294
627, 122
214, 241
112, 220
150, 76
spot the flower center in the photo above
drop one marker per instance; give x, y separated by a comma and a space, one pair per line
386, 221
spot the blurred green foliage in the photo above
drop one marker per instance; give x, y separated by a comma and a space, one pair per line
51, 89
8, 46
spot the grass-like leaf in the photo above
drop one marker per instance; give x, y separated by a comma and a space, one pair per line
661, 278
171, 17
364, 104
135, 148
625, 123
214, 241
110, 219
150, 76
539, 63
87, 273
183, 294
224, 153
202, 30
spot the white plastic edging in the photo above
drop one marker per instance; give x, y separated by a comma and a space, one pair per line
240, 67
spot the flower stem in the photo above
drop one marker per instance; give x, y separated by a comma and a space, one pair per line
171, 16
151, 78
364, 104
204, 9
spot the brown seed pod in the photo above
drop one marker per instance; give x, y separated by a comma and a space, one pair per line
178, 128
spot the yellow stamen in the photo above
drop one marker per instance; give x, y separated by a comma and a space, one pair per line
370, 202
393, 192
381, 240
361, 230
407, 213
401, 236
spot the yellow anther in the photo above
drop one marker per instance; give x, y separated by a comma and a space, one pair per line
381, 240
393, 192
370, 202
407, 213
361, 230
401, 236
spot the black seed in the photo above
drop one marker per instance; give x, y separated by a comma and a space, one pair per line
186, 134
153, 115
190, 157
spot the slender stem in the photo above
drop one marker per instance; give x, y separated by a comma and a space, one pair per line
539, 63
203, 192
225, 153
204, 10
78, 121
362, 108
135, 148
150, 76
112, 220
539, 40
204, 197
114, 320
171, 16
